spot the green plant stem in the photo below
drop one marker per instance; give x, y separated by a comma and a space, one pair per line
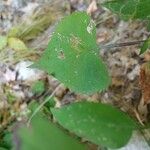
42, 104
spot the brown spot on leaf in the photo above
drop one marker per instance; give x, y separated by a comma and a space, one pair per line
75, 42
61, 55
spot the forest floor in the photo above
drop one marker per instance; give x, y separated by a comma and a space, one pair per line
31, 22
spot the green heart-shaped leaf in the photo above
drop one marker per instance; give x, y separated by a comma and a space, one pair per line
130, 9
73, 55
44, 135
99, 123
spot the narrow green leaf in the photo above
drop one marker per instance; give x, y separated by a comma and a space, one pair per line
99, 123
145, 46
38, 87
44, 135
3, 42
73, 55
130, 9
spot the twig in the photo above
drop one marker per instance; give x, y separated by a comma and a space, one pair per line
115, 45
145, 137
42, 104
138, 117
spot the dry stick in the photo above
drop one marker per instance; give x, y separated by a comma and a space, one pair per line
42, 104
115, 45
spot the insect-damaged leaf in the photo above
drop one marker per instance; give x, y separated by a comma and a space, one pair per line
130, 9
73, 55
99, 123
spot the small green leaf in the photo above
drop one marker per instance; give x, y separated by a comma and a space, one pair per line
33, 106
130, 9
3, 42
6, 140
145, 46
73, 55
44, 135
99, 123
16, 44
38, 87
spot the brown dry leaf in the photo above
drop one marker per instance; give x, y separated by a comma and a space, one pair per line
117, 82
142, 112
147, 56
145, 82
92, 7
103, 36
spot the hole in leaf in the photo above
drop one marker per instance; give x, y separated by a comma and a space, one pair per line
61, 55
